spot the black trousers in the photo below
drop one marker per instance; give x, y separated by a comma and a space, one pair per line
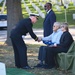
51, 53
42, 53
20, 51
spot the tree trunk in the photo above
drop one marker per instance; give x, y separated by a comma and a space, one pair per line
14, 14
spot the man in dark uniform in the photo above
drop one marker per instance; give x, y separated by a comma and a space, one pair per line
19, 46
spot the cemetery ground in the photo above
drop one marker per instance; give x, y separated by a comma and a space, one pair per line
7, 57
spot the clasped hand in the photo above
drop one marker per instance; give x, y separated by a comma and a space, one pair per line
39, 39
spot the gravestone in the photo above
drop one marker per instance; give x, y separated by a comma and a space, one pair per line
58, 8
73, 16
38, 10
3, 7
27, 8
2, 69
73, 2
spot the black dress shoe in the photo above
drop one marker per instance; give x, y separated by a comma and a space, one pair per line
48, 67
26, 67
39, 65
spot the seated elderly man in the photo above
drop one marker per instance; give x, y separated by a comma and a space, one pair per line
50, 40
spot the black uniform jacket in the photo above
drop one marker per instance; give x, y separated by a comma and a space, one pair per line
22, 28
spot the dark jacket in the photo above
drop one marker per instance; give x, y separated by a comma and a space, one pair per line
48, 23
22, 28
65, 41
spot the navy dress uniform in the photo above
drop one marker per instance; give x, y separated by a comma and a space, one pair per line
19, 46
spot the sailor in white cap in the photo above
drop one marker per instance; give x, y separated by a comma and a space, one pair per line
35, 15
19, 46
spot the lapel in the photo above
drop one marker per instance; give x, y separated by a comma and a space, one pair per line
47, 15
62, 37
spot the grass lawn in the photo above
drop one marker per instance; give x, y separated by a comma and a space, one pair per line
59, 14
7, 56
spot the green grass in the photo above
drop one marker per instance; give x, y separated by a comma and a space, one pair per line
15, 71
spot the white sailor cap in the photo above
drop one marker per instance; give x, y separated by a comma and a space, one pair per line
33, 14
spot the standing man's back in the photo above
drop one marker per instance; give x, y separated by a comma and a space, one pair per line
49, 19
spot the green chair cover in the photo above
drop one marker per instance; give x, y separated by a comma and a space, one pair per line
66, 61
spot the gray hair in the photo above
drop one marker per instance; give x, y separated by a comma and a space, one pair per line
57, 24
65, 25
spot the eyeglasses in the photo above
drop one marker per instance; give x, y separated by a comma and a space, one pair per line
54, 26
62, 26
45, 6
